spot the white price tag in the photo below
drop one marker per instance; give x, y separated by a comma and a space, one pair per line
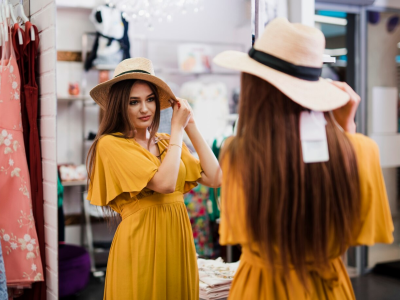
314, 143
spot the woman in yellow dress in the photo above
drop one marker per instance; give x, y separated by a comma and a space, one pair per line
299, 185
142, 175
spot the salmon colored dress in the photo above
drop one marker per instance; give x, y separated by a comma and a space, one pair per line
19, 240
153, 255
254, 281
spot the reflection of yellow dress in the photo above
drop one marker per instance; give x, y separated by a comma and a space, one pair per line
254, 281
152, 256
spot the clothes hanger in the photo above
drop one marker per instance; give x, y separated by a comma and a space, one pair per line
21, 12
7, 9
24, 18
14, 20
11, 15
1, 38
1, 25
5, 25
1, 15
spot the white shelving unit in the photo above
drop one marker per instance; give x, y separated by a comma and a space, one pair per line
74, 183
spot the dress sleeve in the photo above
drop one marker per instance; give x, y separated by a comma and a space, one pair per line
232, 226
121, 167
376, 220
193, 169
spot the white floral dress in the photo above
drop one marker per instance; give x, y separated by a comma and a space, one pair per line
18, 236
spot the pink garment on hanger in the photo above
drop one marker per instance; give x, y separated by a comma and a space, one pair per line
18, 235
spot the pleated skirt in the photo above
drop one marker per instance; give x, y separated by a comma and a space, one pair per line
153, 256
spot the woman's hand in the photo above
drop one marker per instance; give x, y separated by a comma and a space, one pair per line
181, 113
345, 115
191, 120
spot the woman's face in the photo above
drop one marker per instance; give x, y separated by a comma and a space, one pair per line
142, 105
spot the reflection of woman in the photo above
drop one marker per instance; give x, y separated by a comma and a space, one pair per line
293, 219
142, 175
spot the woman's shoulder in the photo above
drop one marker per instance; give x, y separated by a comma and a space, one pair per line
363, 145
225, 145
161, 135
111, 138
113, 142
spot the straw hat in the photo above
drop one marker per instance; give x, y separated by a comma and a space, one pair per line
289, 56
133, 68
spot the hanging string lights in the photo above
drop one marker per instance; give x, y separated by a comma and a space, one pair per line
155, 11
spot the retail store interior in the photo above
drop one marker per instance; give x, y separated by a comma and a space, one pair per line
181, 39
214, 27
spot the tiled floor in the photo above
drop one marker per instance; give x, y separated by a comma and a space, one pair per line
367, 287
94, 291
376, 287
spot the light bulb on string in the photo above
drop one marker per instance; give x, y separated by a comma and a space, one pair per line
156, 10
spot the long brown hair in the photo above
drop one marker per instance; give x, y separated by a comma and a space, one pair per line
116, 119
290, 205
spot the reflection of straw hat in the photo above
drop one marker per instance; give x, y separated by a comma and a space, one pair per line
133, 68
289, 56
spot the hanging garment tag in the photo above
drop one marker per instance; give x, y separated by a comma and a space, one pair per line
314, 143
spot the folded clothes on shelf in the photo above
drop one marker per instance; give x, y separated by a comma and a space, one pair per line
73, 172
216, 278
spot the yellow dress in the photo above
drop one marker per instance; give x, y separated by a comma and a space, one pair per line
254, 281
153, 256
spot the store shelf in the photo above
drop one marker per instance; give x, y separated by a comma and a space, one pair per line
169, 71
74, 183
104, 67
327, 59
340, 63
76, 219
73, 98
102, 246
181, 73
76, 4
233, 117
85, 8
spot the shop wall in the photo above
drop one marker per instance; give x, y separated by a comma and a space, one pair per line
222, 21
387, 3
42, 14
218, 22
382, 71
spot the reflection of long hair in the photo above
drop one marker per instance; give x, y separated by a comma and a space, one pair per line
291, 207
116, 119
